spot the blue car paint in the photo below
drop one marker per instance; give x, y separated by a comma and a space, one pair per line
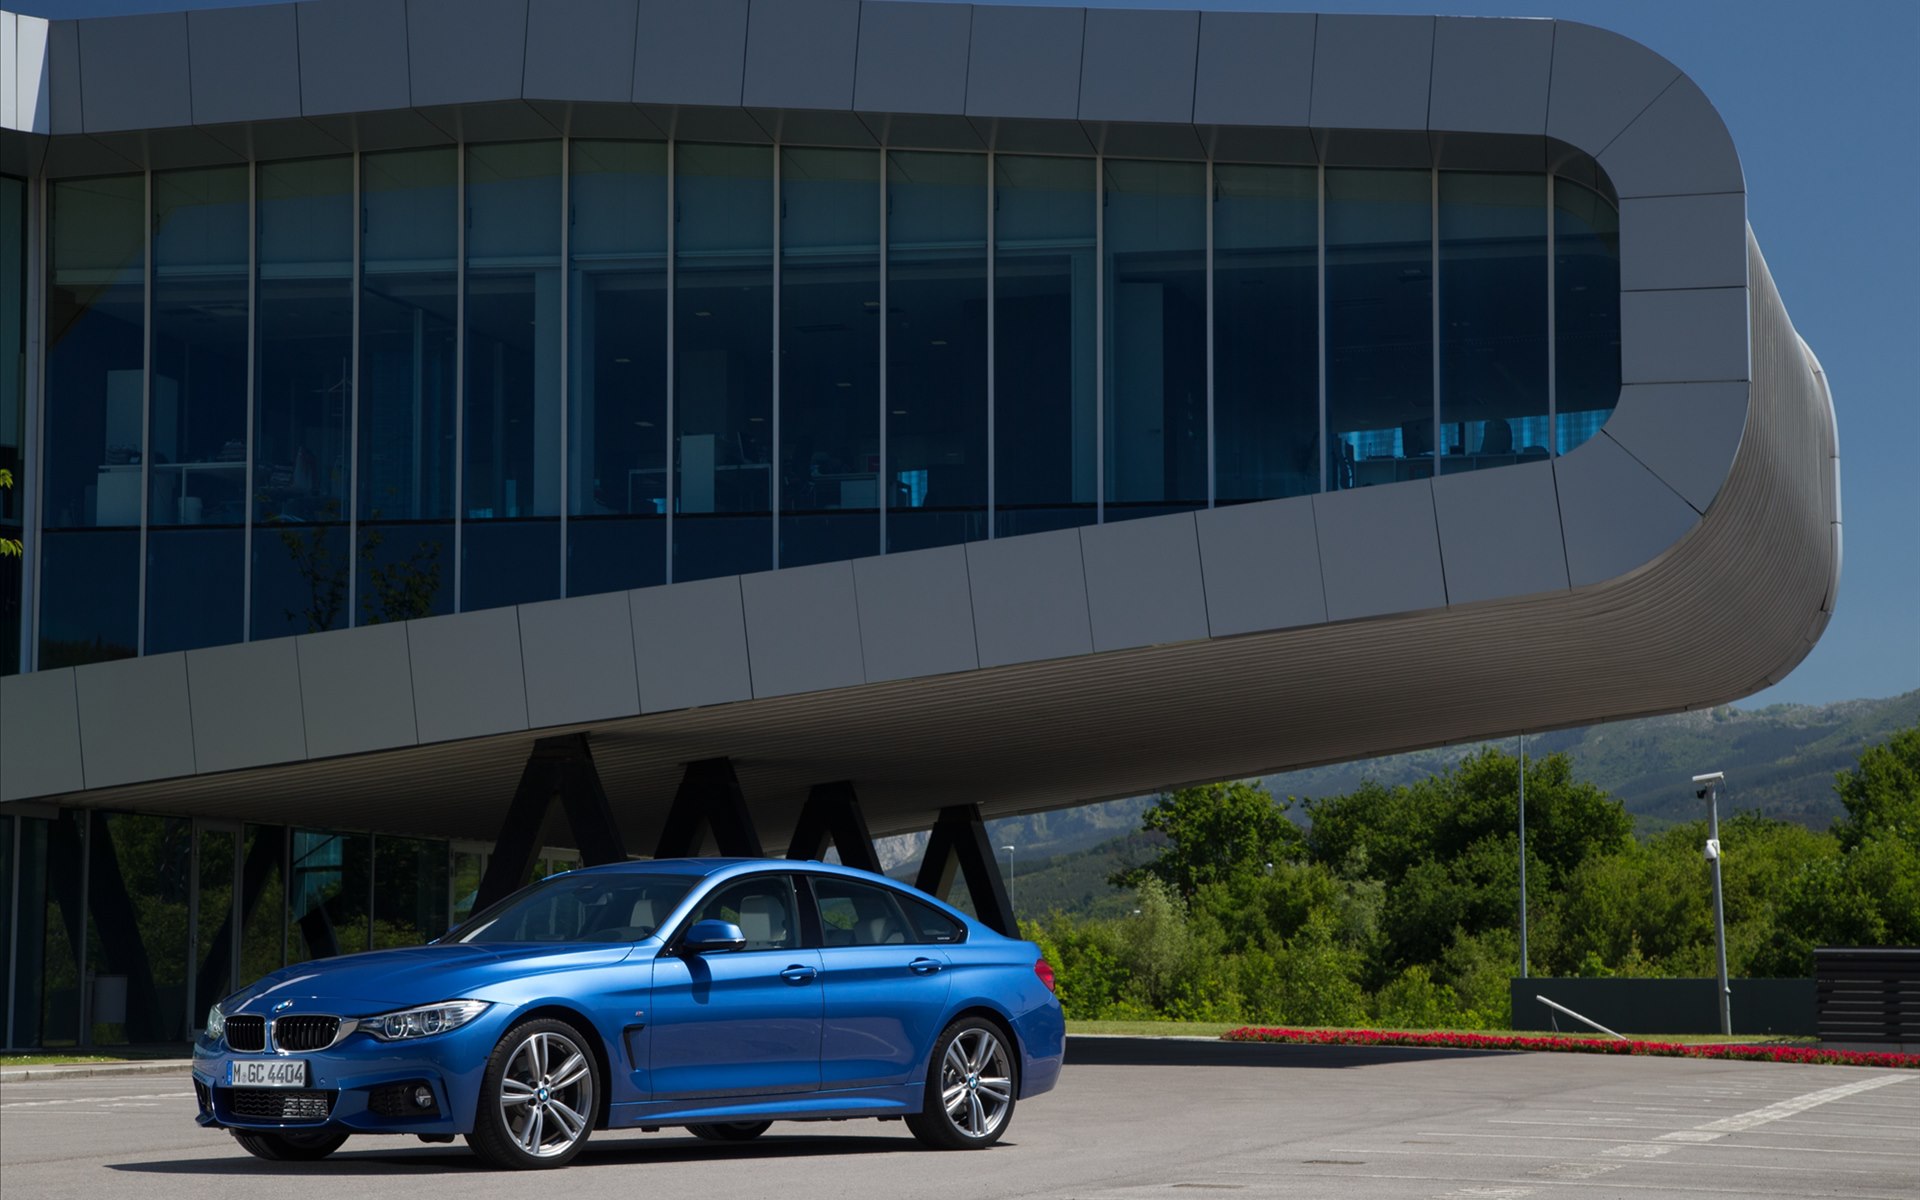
717, 1037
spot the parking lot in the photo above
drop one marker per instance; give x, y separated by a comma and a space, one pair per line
1133, 1119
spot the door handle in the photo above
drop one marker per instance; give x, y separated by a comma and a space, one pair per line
798, 973
924, 966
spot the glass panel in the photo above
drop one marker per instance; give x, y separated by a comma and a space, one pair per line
96, 295
139, 873
829, 355
13, 406
197, 429
409, 217
1156, 280
512, 480
617, 356
409, 891
1586, 285
583, 908
762, 906
469, 867
855, 914
304, 397
47, 983
1266, 300
1043, 343
6, 920
213, 930
723, 390
936, 349
1379, 326
327, 895
263, 902
1493, 319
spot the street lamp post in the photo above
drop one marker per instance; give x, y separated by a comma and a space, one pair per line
1010, 904
1709, 790
1523, 856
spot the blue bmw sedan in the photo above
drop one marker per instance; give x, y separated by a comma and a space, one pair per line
718, 994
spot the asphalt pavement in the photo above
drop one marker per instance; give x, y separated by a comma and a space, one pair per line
1133, 1119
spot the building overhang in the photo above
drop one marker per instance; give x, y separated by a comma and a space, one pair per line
1685, 556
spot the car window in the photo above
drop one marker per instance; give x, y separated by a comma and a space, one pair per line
763, 908
930, 923
580, 908
860, 914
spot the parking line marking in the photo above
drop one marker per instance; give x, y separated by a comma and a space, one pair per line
93, 1100
1742, 1122
1855, 1151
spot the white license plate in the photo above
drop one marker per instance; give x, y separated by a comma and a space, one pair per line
267, 1073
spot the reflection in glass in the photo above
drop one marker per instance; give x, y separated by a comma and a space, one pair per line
469, 867
617, 357
1266, 298
511, 551
409, 220
409, 891
49, 981
936, 349
197, 426
723, 386
829, 355
13, 406
263, 902
94, 437
213, 924
327, 894
1493, 319
138, 880
1044, 314
1156, 346
1379, 326
304, 396
1586, 231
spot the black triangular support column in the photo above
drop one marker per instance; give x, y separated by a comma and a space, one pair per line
832, 814
563, 767
959, 839
709, 799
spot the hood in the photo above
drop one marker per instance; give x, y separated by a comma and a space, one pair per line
358, 985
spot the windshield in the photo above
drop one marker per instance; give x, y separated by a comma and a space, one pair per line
580, 908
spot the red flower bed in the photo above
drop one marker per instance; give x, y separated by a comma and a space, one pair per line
1569, 1045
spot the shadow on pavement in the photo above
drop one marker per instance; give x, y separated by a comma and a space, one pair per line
399, 1155
1198, 1052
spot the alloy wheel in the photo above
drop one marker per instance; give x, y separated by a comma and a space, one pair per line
546, 1094
976, 1084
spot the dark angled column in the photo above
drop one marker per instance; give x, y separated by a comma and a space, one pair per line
959, 839
709, 799
561, 766
832, 815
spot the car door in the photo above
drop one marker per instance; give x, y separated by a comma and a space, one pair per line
741, 1022
886, 981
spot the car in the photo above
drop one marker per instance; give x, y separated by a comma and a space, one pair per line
716, 994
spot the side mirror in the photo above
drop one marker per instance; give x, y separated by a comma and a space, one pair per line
708, 937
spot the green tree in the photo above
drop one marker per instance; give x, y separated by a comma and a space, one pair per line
1214, 832
1882, 793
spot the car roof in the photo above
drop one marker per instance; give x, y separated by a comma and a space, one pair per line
723, 867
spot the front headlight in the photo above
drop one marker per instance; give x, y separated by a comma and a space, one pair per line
423, 1022
216, 1023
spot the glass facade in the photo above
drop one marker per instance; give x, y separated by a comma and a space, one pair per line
298, 396
13, 406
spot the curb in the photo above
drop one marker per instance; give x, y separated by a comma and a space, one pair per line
48, 1074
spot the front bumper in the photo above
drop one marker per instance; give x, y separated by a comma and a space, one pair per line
359, 1084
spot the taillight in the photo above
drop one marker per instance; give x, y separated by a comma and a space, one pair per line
1044, 971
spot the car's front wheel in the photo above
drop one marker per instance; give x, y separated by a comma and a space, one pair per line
538, 1097
970, 1085
732, 1131
299, 1145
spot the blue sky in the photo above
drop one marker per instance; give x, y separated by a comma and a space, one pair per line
1822, 107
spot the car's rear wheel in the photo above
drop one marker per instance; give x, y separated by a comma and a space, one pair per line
298, 1145
733, 1131
970, 1086
538, 1097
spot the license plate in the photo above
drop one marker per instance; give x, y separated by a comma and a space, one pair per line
267, 1073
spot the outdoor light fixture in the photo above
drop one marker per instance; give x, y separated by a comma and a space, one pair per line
1708, 789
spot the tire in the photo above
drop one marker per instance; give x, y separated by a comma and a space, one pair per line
733, 1131
970, 1088
306, 1145
538, 1097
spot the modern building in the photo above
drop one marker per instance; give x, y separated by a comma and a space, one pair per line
784, 421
